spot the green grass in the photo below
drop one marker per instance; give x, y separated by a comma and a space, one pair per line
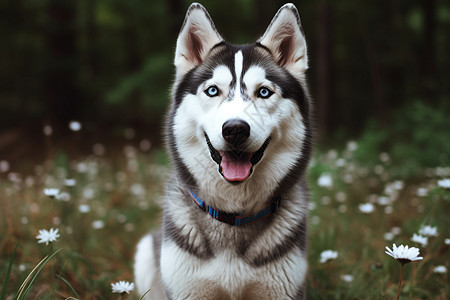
116, 200
337, 223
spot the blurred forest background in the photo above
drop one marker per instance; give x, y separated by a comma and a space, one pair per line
380, 79
379, 70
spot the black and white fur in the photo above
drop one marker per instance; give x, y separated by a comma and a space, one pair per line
262, 85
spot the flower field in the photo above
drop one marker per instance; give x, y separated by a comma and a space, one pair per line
89, 212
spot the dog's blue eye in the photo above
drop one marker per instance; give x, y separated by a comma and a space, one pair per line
212, 91
264, 93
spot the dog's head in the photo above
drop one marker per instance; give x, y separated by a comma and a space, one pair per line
239, 112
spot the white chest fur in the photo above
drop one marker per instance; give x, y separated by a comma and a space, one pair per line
227, 276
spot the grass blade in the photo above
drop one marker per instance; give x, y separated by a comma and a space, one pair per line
68, 284
142, 297
8, 273
24, 283
28, 282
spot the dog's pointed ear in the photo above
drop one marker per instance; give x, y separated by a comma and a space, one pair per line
285, 39
197, 36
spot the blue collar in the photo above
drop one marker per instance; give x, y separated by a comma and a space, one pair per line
235, 219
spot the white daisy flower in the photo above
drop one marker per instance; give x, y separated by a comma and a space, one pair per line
440, 269
423, 240
444, 183
366, 208
428, 231
82, 167
383, 200
51, 192
328, 255
422, 192
352, 145
4, 166
403, 254
63, 197
98, 224
48, 130
137, 189
396, 230
70, 182
122, 287
384, 157
388, 210
325, 180
75, 126
389, 236
84, 208
398, 185
89, 193
46, 236
347, 278
312, 206
22, 267
447, 241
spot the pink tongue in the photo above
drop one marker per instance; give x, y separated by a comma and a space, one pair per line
236, 168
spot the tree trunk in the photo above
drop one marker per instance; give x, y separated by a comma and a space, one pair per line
60, 76
376, 73
428, 53
323, 67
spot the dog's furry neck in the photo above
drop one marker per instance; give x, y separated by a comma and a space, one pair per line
237, 219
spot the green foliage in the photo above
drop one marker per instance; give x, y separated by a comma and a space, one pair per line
119, 64
69, 285
337, 223
149, 83
422, 134
8, 273
122, 192
115, 57
31, 278
117, 195
416, 136
415, 19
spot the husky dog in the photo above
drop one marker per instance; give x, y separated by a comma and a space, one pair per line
239, 136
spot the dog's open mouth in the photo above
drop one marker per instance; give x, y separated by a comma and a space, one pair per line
236, 166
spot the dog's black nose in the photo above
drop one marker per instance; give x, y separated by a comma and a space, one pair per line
235, 131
